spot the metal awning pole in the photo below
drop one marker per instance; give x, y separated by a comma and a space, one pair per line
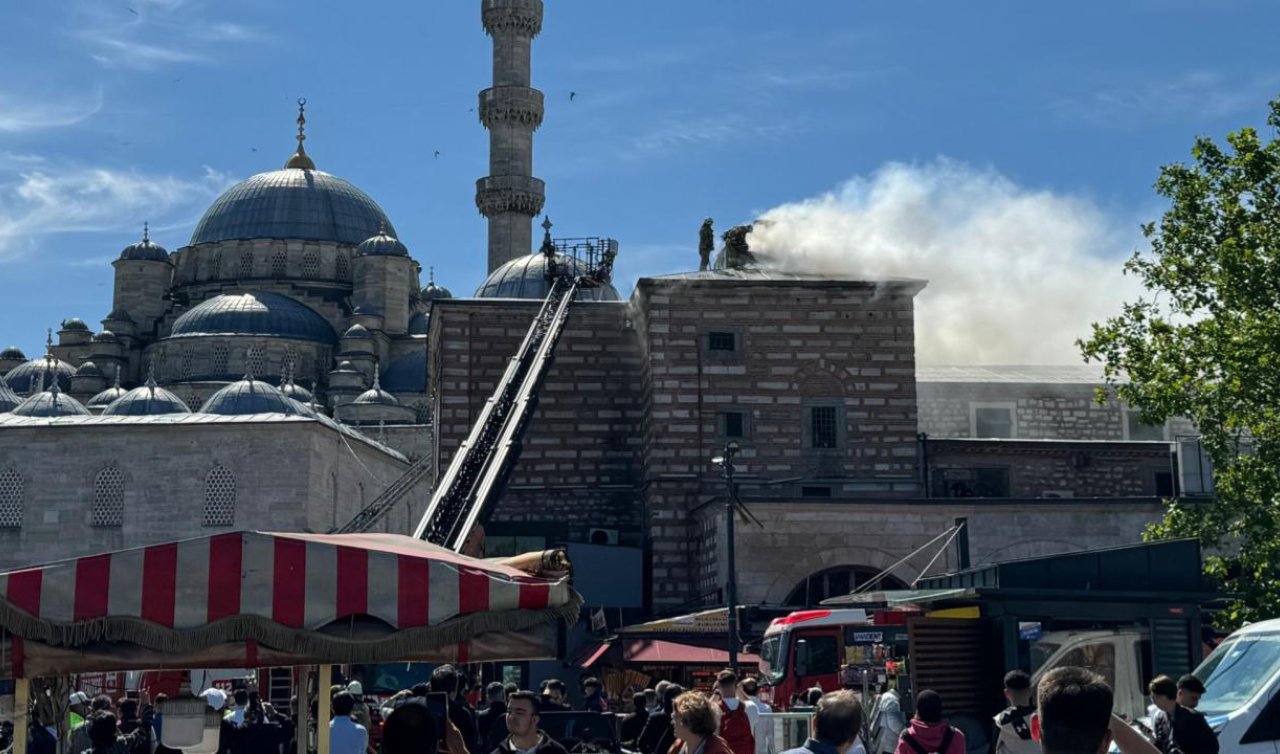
21, 713
323, 708
303, 731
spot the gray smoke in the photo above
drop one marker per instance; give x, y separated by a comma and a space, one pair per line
1015, 275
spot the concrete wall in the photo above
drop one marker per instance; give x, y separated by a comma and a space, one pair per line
289, 476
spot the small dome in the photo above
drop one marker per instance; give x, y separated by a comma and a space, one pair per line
50, 403
9, 400
367, 309
357, 331
89, 369
407, 374
347, 367
13, 352
75, 324
381, 245
249, 396
148, 400
145, 250
118, 315
107, 397
297, 392
419, 324
26, 377
376, 396
433, 291
526, 277
254, 314
106, 336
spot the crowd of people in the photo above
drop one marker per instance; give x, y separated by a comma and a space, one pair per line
1068, 712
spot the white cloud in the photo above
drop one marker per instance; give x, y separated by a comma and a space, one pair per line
52, 200
1136, 101
20, 113
680, 132
146, 35
1015, 275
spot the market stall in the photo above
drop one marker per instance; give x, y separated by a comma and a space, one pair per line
256, 599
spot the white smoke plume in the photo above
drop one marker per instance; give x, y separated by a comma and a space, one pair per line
1015, 275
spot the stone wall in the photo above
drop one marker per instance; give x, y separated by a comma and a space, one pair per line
1040, 411
288, 475
1053, 469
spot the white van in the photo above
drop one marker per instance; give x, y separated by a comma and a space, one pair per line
1242, 690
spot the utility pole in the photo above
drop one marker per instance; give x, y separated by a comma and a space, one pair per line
725, 461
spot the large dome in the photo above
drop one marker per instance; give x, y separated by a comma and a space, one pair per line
250, 396
254, 313
526, 277
25, 378
292, 204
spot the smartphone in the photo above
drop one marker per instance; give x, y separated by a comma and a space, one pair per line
438, 706
131, 694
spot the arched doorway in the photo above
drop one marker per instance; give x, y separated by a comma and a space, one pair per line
837, 582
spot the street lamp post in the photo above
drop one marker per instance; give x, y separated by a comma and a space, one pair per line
731, 449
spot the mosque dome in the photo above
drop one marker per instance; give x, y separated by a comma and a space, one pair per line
9, 400
376, 396
297, 392
367, 309
106, 336
293, 203
145, 250
347, 367
25, 377
75, 324
418, 323
407, 374
381, 245
107, 397
89, 369
119, 315
148, 400
49, 403
254, 313
357, 331
526, 277
13, 352
432, 292
250, 396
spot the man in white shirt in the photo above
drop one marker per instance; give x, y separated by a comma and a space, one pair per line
751, 687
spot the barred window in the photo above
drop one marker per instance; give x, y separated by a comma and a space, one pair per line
193, 402
291, 358
220, 497
108, 498
12, 494
311, 264
256, 361
246, 263
221, 358
278, 263
215, 266
343, 267
188, 362
422, 412
822, 427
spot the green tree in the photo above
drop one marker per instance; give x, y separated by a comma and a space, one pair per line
1204, 343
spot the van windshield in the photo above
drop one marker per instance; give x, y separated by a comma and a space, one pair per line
1236, 671
773, 659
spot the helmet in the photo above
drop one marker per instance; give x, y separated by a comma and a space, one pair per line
355, 689
78, 697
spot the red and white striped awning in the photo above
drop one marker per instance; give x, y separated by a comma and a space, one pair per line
355, 597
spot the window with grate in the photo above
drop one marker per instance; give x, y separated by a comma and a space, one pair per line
994, 421
311, 264
246, 263
256, 361
108, 498
188, 362
732, 424
823, 431
722, 341
220, 497
12, 494
215, 266
342, 267
221, 358
422, 412
193, 402
291, 358
278, 263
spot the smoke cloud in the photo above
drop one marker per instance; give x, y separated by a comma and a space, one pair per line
1015, 275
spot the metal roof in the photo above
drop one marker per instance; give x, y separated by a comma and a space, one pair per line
249, 396
25, 377
18, 422
292, 204
1071, 374
526, 277
254, 313
147, 400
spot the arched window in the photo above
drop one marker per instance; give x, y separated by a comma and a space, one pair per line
256, 361
221, 357
342, 269
837, 582
279, 263
12, 494
188, 363
215, 266
108, 497
311, 264
246, 263
220, 497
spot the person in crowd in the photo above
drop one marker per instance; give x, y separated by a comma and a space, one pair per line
887, 721
1177, 727
835, 726
553, 696
80, 734
695, 719
105, 735
738, 716
658, 734
659, 692
411, 728
593, 690
129, 720
420, 689
633, 723
444, 680
928, 733
346, 736
751, 687
42, 735
79, 706
1073, 716
360, 711
1013, 725
508, 689
495, 696
524, 737
651, 701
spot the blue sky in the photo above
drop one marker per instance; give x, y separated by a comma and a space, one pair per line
112, 113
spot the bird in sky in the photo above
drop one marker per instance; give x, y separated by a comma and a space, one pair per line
572, 95
437, 154
131, 10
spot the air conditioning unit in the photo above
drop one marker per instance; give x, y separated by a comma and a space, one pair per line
603, 536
